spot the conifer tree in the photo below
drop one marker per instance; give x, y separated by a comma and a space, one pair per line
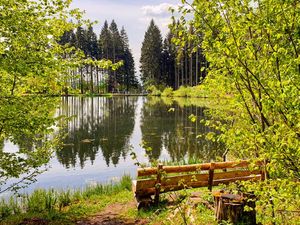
168, 62
129, 78
151, 55
80, 43
105, 47
92, 52
105, 43
116, 54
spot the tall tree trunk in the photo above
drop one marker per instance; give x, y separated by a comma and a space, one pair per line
185, 66
197, 61
92, 80
97, 77
191, 69
182, 72
81, 80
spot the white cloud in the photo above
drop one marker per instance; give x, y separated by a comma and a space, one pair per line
160, 13
161, 10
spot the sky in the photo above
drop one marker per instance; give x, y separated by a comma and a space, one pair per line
134, 15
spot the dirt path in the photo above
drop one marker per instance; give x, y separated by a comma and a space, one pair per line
111, 216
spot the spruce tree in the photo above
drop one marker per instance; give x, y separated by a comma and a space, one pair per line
117, 51
168, 62
105, 42
92, 52
151, 54
128, 69
92, 45
80, 43
105, 49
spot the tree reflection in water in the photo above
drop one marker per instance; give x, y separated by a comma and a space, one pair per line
105, 126
172, 130
98, 123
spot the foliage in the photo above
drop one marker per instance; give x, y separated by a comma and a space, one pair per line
27, 122
168, 92
182, 92
254, 67
31, 59
253, 53
153, 90
276, 202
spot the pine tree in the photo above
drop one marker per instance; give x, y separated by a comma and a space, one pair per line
105, 42
92, 52
168, 62
117, 51
80, 43
105, 48
151, 54
92, 45
129, 78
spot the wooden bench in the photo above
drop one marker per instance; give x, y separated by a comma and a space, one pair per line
152, 181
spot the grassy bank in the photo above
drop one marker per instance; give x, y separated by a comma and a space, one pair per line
64, 207
53, 207
68, 207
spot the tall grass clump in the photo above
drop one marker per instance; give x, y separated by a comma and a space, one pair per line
9, 208
108, 189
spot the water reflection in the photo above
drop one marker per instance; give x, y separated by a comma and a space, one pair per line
106, 126
98, 123
172, 130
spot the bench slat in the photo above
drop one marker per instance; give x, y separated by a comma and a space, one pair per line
192, 168
151, 190
191, 178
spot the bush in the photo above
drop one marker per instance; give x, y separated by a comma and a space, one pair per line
168, 92
197, 92
182, 91
153, 90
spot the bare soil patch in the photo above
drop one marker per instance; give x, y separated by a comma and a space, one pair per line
111, 216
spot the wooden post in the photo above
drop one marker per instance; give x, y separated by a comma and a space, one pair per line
158, 183
263, 169
231, 207
211, 176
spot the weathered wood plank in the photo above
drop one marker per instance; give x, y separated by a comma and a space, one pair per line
190, 178
192, 168
171, 185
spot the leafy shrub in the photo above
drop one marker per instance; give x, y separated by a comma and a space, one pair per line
153, 90
168, 92
182, 92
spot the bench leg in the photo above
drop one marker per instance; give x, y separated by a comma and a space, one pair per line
144, 202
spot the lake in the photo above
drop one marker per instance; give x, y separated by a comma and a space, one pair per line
102, 132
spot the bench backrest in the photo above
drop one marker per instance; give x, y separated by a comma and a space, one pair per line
153, 180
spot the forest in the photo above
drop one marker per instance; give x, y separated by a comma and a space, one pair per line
163, 63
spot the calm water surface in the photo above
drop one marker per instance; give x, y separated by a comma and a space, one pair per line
102, 132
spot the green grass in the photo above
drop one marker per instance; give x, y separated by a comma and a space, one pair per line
67, 207
64, 207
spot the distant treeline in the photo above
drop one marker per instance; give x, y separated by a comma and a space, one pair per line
167, 63
112, 45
